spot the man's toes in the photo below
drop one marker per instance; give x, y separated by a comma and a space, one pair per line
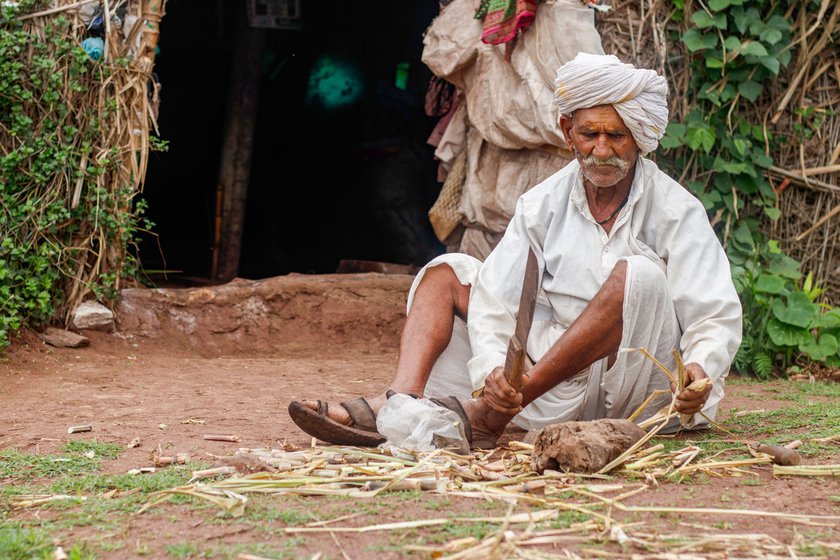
312, 405
334, 411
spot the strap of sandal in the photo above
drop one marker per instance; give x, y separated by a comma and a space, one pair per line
453, 404
361, 414
390, 393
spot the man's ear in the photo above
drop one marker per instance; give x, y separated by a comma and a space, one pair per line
566, 127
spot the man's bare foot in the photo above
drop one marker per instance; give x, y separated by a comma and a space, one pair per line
338, 413
487, 424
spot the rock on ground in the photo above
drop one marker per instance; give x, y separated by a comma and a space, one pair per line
93, 315
583, 446
61, 338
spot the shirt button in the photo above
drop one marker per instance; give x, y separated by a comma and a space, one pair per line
606, 248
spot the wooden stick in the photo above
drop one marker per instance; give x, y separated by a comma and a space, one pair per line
212, 472
799, 179
833, 212
57, 10
216, 437
78, 429
836, 153
107, 21
820, 170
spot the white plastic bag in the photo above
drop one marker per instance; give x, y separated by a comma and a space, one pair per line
420, 425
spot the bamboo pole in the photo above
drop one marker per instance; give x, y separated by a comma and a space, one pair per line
153, 12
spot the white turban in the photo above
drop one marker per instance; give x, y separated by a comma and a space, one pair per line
639, 95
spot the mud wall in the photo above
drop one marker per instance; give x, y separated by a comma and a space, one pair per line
270, 315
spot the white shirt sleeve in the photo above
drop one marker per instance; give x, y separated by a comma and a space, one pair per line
494, 300
705, 300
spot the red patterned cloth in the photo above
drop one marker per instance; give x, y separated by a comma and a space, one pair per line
504, 18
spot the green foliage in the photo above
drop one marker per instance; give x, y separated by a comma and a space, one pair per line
103, 449
782, 320
22, 543
736, 47
61, 200
16, 465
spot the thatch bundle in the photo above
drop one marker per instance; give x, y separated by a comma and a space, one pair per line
805, 95
105, 111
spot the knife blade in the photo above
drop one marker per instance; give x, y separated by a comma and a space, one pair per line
517, 346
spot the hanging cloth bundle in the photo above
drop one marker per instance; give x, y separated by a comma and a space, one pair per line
504, 18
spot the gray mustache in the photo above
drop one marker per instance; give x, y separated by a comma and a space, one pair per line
614, 161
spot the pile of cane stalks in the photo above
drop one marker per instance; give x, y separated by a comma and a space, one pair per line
507, 475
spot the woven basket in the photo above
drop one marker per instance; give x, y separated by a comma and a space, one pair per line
445, 215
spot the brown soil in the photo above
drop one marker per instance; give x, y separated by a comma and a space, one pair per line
228, 360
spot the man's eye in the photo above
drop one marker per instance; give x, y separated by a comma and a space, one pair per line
616, 135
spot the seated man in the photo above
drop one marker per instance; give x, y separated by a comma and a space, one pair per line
627, 259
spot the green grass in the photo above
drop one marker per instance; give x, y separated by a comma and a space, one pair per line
434, 504
813, 413
265, 511
451, 531
79, 457
17, 466
816, 389
19, 542
751, 481
820, 419
101, 449
568, 518
184, 550
74, 474
286, 549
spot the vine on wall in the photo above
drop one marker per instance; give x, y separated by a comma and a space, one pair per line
73, 144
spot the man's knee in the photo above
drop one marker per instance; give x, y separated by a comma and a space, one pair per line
440, 278
442, 281
645, 277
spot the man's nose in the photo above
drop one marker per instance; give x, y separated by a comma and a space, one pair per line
602, 148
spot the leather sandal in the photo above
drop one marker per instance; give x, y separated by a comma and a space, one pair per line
361, 431
480, 442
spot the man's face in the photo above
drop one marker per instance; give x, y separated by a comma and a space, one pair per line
603, 145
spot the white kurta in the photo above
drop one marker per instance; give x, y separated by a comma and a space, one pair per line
662, 223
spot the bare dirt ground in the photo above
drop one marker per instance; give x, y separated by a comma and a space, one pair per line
228, 360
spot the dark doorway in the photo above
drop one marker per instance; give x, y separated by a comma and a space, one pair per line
340, 167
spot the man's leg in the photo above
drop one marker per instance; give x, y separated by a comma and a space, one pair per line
438, 299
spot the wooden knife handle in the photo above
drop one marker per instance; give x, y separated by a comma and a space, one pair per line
515, 363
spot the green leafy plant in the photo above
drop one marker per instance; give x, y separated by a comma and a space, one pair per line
736, 46
782, 319
722, 148
67, 211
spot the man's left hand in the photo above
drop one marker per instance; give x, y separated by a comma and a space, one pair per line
691, 402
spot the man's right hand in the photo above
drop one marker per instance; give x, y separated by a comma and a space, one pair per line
499, 395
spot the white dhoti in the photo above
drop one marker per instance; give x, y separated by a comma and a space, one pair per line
649, 321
